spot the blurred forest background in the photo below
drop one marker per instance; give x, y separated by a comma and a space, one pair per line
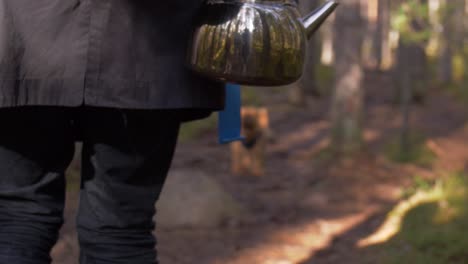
366, 160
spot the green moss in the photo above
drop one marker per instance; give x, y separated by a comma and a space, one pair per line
416, 153
433, 230
418, 184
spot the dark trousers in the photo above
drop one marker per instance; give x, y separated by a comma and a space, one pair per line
126, 156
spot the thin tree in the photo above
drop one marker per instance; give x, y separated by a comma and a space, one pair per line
411, 20
347, 100
381, 36
446, 50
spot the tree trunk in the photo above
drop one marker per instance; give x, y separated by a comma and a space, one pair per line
457, 23
413, 60
381, 41
445, 70
459, 38
445, 58
369, 19
347, 101
406, 95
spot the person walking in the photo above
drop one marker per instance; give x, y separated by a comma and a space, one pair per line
108, 73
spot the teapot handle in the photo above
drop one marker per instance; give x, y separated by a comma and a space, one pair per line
229, 121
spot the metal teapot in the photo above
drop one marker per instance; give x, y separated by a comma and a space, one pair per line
253, 42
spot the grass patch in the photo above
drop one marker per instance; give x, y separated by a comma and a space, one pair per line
430, 225
419, 184
417, 153
193, 130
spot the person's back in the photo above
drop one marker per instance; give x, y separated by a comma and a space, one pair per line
111, 74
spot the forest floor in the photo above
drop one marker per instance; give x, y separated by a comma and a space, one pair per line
310, 208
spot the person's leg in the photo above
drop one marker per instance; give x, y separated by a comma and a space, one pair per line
126, 156
36, 146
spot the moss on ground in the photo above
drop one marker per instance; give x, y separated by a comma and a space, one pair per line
433, 227
416, 153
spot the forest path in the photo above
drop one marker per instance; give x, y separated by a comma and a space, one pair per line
307, 208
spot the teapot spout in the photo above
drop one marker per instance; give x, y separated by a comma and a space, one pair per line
314, 20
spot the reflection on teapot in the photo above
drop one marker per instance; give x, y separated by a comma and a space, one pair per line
253, 42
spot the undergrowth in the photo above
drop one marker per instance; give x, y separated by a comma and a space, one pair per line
417, 152
433, 228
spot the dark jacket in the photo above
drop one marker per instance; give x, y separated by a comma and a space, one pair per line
109, 53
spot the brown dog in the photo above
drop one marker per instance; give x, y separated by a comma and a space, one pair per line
248, 156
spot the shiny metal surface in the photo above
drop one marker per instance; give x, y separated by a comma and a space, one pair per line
253, 42
314, 20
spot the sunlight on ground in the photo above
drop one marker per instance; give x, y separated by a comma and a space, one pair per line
316, 132
297, 244
427, 228
392, 224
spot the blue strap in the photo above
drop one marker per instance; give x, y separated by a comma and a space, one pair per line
229, 121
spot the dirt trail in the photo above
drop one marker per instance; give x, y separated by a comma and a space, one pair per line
304, 210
